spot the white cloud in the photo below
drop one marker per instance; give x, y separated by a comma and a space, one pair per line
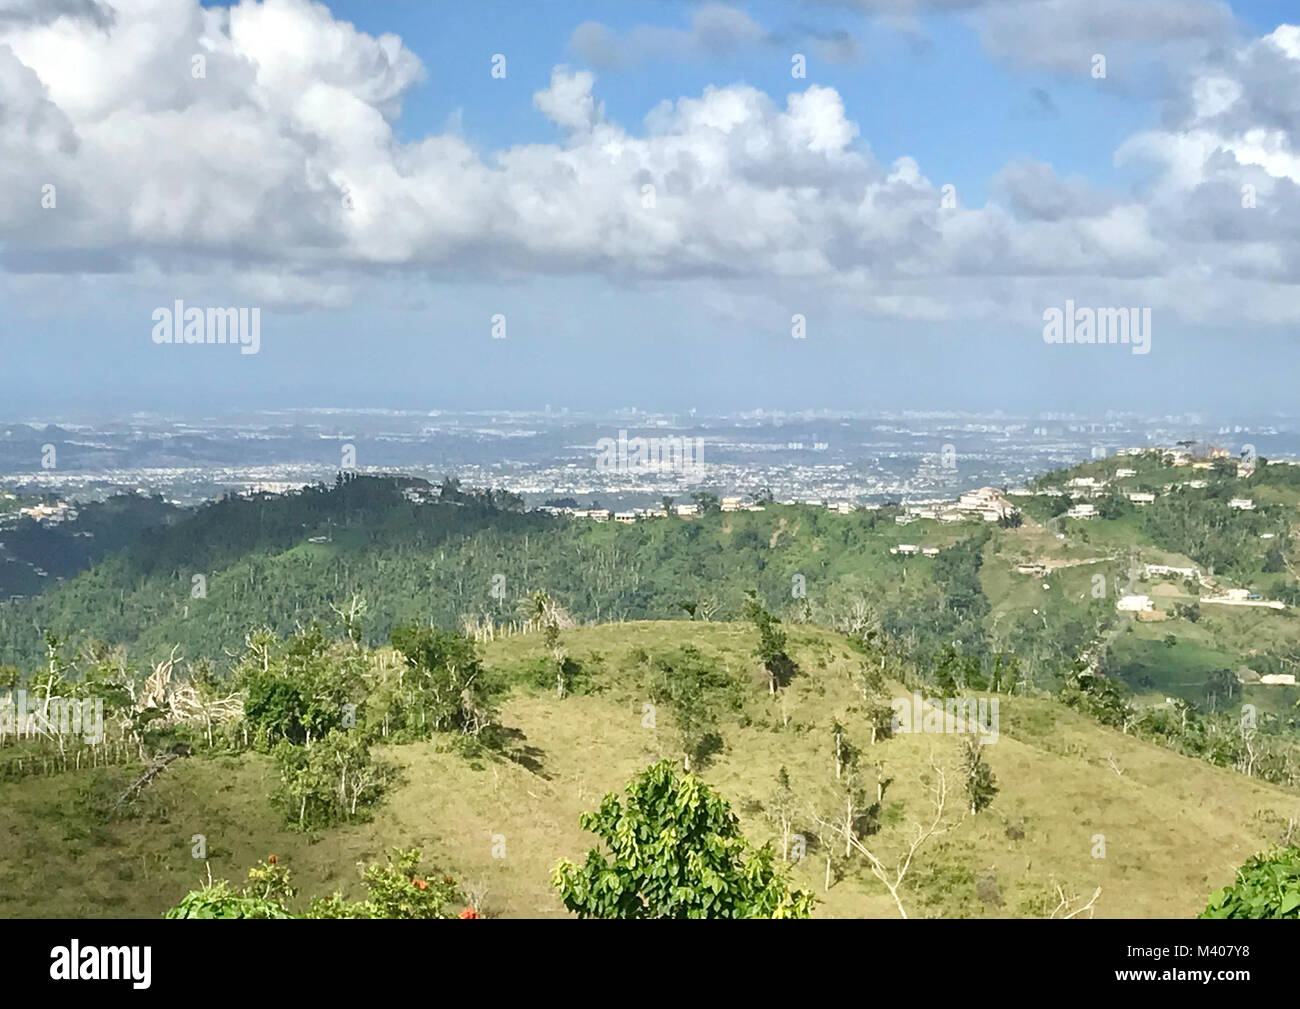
280, 171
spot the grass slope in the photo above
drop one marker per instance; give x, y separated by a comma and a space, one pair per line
1174, 828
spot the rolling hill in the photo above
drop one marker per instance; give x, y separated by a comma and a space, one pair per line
1173, 828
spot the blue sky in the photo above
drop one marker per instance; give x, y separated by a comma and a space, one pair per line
355, 172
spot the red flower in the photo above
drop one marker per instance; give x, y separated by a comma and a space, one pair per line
270, 859
419, 883
469, 912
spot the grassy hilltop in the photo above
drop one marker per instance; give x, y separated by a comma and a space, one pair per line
1174, 828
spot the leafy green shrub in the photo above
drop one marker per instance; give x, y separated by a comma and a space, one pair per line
677, 852
398, 888
299, 689
1267, 886
217, 900
442, 688
333, 781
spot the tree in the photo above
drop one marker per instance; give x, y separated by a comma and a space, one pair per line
695, 690
443, 686
771, 643
1099, 696
1267, 886
706, 503
846, 754
980, 783
781, 806
878, 712
892, 876
855, 814
1113, 506
351, 615
298, 690
676, 851
1221, 688
542, 611
335, 781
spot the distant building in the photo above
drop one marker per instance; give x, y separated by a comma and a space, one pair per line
1165, 569
1122, 473
1134, 604
686, 511
930, 551
731, 504
1141, 498
626, 518
986, 503
1082, 511
50, 514
905, 549
1243, 504
1278, 679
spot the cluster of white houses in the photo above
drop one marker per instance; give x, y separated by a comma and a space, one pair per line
690, 511
987, 503
1083, 487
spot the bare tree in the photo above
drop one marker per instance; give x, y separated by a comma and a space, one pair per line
351, 613
892, 876
1065, 904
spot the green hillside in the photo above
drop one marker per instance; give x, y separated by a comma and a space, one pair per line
1173, 828
241, 632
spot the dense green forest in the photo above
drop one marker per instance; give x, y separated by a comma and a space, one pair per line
239, 563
